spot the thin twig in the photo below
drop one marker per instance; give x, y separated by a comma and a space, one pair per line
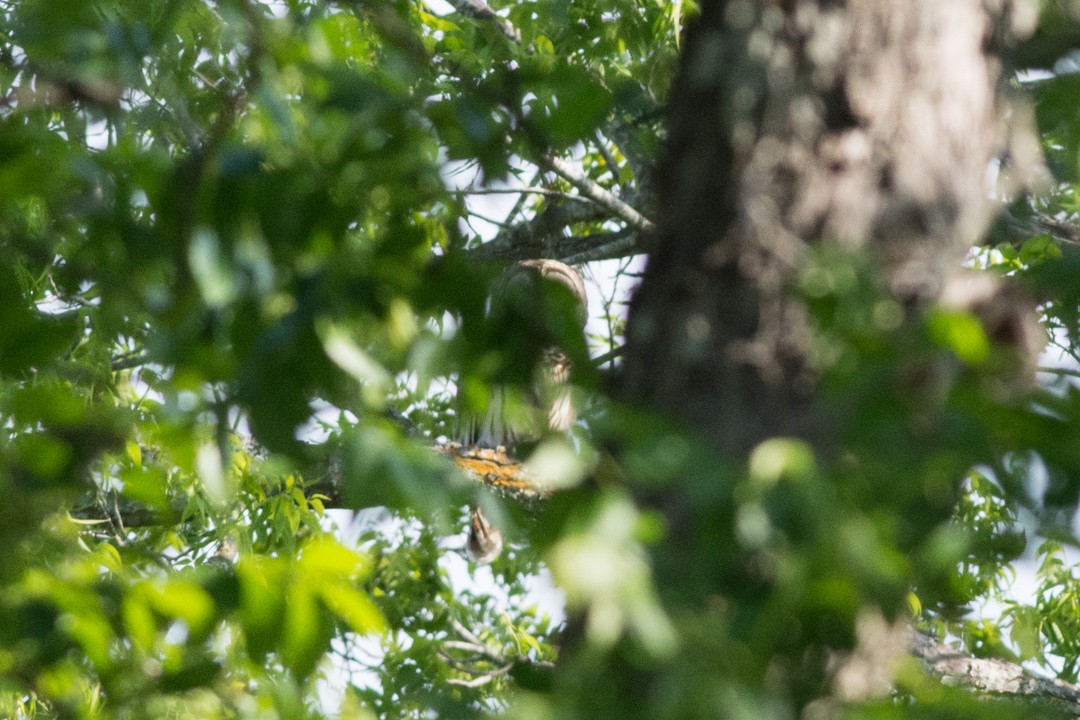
119, 516
525, 191
129, 360
465, 632
1058, 371
485, 218
467, 646
601, 144
607, 247
521, 200
482, 679
609, 356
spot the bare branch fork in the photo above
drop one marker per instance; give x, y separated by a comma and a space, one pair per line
479, 653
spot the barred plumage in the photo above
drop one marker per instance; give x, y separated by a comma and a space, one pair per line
504, 425
554, 409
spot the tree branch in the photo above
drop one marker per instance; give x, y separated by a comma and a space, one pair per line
480, 10
605, 246
597, 194
544, 237
1014, 230
524, 242
992, 676
524, 191
482, 679
129, 360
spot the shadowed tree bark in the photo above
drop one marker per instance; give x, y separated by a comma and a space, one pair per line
871, 125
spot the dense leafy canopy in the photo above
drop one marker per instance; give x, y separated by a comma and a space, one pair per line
243, 276
215, 215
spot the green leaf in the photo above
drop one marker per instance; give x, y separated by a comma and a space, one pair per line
577, 105
1025, 633
262, 603
146, 485
184, 600
961, 333
306, 631
139, 621
777, 459
354, 607
324, 559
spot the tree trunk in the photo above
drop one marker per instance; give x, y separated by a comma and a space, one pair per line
867, 124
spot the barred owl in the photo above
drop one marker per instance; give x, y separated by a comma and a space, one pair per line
552, 408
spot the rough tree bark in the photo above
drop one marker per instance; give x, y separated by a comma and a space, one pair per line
871, 124
866, 124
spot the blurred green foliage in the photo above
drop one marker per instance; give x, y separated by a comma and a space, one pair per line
219, 219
